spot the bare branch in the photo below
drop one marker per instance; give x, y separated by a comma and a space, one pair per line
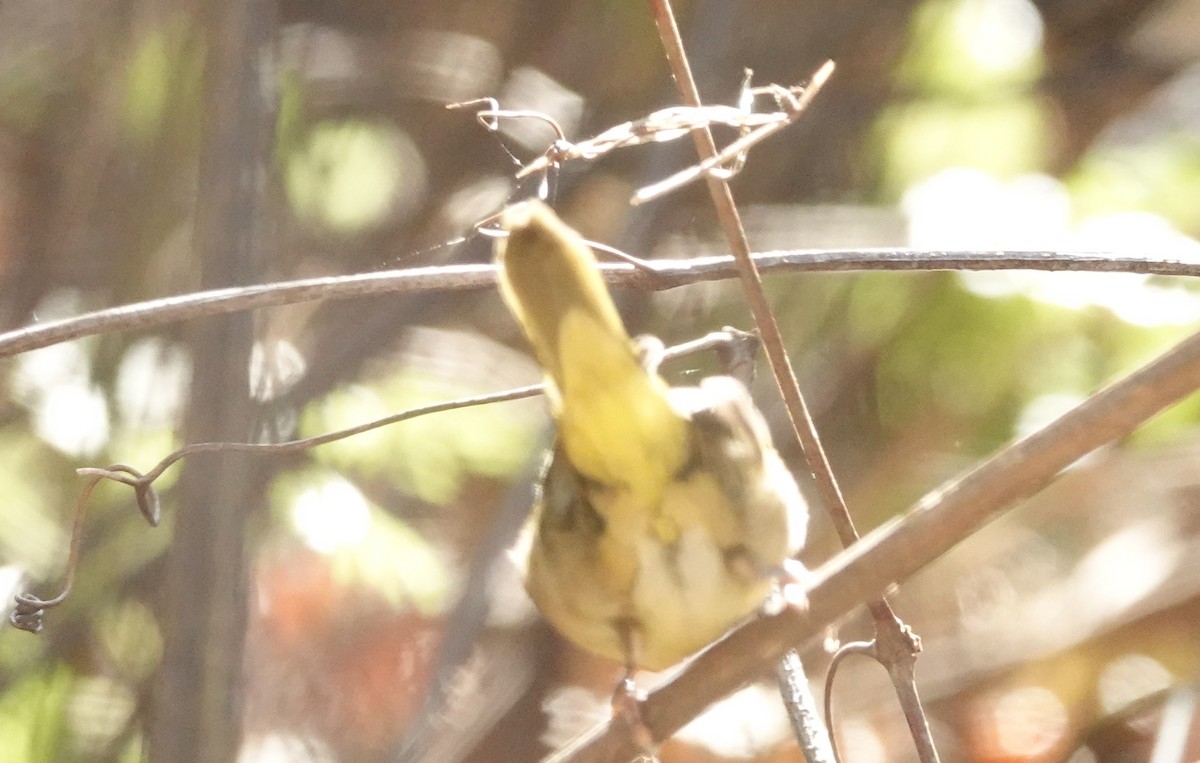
667, 274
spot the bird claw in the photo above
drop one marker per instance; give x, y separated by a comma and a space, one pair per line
627, 706
792, 581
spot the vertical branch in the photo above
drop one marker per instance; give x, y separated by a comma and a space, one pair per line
764, 319
892, 638
197, 709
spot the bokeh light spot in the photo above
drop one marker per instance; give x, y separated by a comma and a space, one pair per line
331, 516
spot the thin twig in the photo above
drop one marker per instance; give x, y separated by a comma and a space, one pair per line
895, 642
667, 274
893, 552
664, 125
295, 446
764, 319
709, 341
736, 151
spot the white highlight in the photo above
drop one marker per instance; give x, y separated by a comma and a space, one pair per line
331, 516
967, 209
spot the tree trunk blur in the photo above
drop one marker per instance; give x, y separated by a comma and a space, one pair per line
198, 709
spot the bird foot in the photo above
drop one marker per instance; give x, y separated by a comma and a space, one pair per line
627, 705
792, 581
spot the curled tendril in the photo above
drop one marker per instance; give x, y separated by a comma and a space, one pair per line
30, 611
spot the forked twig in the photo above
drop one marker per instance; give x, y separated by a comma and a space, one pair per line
665, 125
793, 101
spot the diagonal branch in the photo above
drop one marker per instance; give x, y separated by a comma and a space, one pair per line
899, 548
812, 736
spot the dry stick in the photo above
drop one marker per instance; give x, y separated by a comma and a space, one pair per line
893, 552
889, 630
712, 167
668, 274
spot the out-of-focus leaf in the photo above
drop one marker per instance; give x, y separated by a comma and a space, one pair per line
366, 546
30, 533
164, 79
1161, 176
399, 564
97, 712
967, 67
33, 716
353, 174
129, 635
1003, 137
428, 455
969, 47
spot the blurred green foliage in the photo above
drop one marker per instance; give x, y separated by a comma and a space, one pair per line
33, 714
388, 555
965, 80
346, 174
1160, 176
428, 456
164, 78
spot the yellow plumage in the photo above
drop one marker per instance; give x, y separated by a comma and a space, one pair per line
664, 513
601, 396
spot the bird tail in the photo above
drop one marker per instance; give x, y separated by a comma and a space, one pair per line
615, 420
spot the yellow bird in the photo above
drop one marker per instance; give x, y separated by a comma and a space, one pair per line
665, 513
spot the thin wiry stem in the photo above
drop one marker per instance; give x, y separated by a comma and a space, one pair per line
29, 612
